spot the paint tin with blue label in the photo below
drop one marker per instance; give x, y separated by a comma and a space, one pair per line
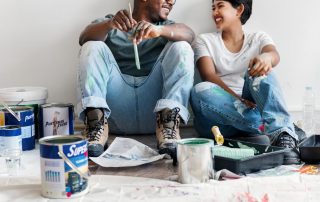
26, 124
64, 166
10, 137
56, 119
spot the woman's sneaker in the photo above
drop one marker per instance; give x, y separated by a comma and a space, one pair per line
292, 156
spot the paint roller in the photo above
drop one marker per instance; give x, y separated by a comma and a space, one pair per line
223, 151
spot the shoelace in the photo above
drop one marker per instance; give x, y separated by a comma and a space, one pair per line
95, 132
286, 141
170, 132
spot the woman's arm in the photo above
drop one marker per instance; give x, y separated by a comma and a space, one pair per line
207, 72
263, 63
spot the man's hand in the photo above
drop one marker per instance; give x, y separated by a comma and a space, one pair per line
145, 30
123, 21
260, 65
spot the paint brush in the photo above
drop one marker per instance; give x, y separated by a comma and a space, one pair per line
135, 46
10, 110
217, 135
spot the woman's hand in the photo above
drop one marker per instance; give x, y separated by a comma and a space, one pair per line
260, 65
248, 103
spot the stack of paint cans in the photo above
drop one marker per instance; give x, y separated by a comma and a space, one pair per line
25, 96
56, 119
25, 125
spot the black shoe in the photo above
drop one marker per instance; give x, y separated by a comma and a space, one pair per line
292, 156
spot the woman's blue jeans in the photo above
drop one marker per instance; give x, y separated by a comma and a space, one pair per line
214, 106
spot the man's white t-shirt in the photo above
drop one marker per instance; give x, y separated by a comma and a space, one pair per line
230, 67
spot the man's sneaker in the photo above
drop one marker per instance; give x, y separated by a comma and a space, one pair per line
167, 131
96, 132
292, 156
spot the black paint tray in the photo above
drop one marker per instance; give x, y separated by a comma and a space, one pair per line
310, 149
265, 157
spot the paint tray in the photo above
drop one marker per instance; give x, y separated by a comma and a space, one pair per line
310, 149
265, 157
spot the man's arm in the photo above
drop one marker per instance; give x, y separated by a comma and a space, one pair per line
178, 32
172, 32
99, 31
96, 31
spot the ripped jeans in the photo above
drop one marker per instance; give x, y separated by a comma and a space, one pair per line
212, 105
129, 102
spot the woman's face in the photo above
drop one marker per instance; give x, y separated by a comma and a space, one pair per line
223, 14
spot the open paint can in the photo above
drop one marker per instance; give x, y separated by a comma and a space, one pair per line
26, 123
64, 166
195, 160
25, 96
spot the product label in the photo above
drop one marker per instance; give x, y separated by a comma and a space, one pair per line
58, 178
55, 121
10, 142
2, 119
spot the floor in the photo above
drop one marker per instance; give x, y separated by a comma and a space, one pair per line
162, 169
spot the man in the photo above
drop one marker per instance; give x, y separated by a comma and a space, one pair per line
114, 95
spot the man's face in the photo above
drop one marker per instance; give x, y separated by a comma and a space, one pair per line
159, 9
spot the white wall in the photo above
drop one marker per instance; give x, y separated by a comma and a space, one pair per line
39, 40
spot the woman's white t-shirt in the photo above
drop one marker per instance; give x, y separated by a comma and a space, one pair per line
230, 67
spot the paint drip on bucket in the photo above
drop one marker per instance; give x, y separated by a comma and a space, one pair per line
64, 166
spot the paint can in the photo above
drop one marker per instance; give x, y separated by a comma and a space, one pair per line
26, 123
195, 160
56, 119
29, 96
64, 166
10, 138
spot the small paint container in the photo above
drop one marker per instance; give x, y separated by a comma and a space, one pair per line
26, 123
10, 138
195, 160
56, 119
64, 166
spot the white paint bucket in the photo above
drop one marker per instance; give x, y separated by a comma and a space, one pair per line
195, 160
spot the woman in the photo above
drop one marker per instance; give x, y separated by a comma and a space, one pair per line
240, 94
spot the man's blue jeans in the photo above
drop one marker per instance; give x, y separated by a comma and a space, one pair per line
133, 100
214, 106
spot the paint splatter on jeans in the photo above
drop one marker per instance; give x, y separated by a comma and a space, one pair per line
211, 107
133, 100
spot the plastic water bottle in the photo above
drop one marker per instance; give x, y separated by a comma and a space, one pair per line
308, 111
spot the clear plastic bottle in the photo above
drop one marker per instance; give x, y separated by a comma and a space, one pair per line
308, 111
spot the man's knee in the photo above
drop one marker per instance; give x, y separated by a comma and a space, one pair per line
92, 47
183, 48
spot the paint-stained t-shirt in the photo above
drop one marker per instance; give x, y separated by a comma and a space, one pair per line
231, 67
121, 47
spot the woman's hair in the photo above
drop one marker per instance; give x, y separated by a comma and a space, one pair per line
247, 8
